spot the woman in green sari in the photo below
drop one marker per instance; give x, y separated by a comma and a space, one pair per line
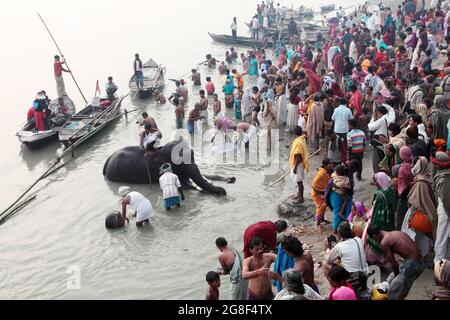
391, 159
382, 215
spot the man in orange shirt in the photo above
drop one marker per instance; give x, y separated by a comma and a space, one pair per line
239, 79
318, 186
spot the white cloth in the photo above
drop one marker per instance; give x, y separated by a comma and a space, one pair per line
149, 138
442, 243
341, 116
137, 65
266, 22
281, 103
292, 117
169, 184
233, 26
141, 206
353, 52
302, 123
300, 175
347, 251
310, 294
60, 86
380, 126
255, 23
249, 134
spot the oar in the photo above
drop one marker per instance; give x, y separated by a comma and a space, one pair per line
284, 176
56, 44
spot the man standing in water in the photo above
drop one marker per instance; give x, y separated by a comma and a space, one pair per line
234, 28
137, 65
58, 68
231, 262
142, 207
257, 271
396, 242
299, 163
196, 78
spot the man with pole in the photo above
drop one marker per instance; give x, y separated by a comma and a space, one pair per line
58, 67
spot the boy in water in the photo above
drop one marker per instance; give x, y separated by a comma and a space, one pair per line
159, 97
179, 113
209, 86
213, 280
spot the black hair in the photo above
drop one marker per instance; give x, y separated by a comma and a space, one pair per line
395, 128
256, 241
428, 102
343, 101
353, 123
325, 162
221, 242
416, 118
281, 225
294, 246
212, 276
345, 230
382, 109
110, 78
412, 132
144, 114
365, 110
298, 131
208, 78
373, 230
202, 92
341, 170
255, 89
338, 273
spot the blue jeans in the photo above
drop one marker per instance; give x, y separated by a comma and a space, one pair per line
139, 79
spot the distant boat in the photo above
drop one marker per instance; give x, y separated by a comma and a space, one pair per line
153, 79
327, 8
89, 120
34, 139
304, 12
243, 41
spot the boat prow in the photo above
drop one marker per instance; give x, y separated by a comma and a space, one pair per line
153, 80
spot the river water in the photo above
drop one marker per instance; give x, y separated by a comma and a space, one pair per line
61, 234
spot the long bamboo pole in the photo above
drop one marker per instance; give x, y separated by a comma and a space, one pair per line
59, 50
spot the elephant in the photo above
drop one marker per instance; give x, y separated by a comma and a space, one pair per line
131, 165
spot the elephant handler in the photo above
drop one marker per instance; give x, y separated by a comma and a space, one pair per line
149, 138
143, 209
170, 186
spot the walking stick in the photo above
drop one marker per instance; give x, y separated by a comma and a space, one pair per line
56, 44
284, 176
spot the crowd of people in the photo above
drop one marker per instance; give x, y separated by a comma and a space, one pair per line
378, 87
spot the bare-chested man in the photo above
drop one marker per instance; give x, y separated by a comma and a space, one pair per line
397, 242
146, 119
231, 262
194, 115
257, 271
213, 280
303, 261
179, 113
204, 106
196, 78
159, 97
217, 105
246, 132
222, 68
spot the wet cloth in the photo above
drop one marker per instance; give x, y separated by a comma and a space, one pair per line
171, 202
283, 262
141, 205
399, 287
238, 285
266, 296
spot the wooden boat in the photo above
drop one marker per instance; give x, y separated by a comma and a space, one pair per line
327, 8
90, 120
153, 79
243, 41
304, 12
35, 139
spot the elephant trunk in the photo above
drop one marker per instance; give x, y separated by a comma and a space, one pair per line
194, 173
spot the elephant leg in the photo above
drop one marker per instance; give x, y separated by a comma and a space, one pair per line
220, 178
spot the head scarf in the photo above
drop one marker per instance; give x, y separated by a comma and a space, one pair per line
440, 102
166, 167
383, 181
360, 210
406, 154
344, 293
421, 170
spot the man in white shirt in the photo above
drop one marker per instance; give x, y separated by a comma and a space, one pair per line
341, 116
349, 254
380, 128
170, 186
255, 27
414, 96
266, 23
142, 207
234, 28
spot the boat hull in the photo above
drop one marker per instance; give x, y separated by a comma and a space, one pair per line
37, 140
243, 41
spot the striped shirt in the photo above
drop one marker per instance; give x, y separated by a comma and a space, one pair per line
355, 141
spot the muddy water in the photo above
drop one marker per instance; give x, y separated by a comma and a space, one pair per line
62, 232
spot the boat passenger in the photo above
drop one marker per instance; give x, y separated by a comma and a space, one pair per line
111, 88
